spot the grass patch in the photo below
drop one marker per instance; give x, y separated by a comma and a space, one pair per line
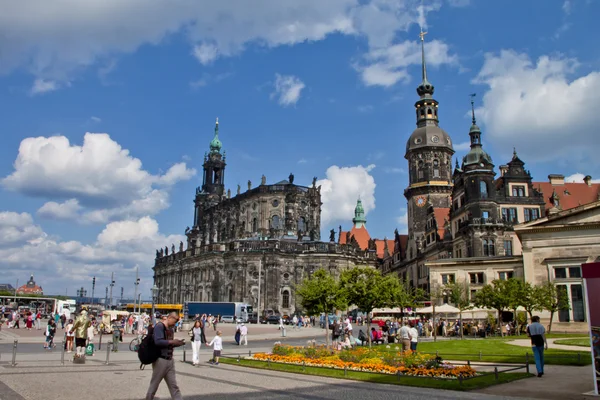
449, 384
495, 351
582, 342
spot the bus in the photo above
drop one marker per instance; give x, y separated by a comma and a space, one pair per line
241, 311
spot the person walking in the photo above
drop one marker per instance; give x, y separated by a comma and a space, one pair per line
537, 333
196, 336
405, 337
38, 320
244, 334
217, 344
164, 366
70, 336
414, 337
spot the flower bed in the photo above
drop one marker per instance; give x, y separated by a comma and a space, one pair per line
365, 360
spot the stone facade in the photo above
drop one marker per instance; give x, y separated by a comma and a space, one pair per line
270, 232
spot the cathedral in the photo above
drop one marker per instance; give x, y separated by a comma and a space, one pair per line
268, 233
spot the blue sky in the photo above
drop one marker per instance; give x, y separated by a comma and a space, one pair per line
317, 89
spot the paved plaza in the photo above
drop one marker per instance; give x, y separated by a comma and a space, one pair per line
40, 374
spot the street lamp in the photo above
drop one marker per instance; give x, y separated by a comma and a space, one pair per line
154, 296
136, 283
435, 328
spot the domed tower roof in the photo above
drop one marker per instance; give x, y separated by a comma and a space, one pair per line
476, 155
215, 144
428, 132
359, 219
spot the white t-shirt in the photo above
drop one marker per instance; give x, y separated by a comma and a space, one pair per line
217, 342
243, 330
68, 330
404, 333
414, 335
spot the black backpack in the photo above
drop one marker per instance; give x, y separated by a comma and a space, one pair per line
147, 351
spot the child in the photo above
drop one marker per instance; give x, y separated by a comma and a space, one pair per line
218, 346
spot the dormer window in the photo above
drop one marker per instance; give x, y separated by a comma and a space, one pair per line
518, 191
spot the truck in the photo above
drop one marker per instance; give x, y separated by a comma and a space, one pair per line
241, 311
64, 307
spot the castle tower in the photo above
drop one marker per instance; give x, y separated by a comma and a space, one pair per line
359, 219
429, 154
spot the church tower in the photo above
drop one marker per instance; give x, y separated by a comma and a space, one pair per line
359, 219
213, 178
429, 154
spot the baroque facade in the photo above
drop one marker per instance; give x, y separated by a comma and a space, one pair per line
268, 234
463, 223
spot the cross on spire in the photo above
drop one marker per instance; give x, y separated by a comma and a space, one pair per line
472, 95
423, 66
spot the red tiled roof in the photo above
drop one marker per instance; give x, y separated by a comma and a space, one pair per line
576, 193
30, 290
403, 244
381, 247
441, 215
360, 234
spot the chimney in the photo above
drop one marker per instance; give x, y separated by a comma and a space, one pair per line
556, 179
588, 180
503, 169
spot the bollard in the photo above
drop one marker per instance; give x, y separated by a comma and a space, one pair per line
62, 353
303, 365
283, 332
578, 357
468, 363
269, 363
480, 356
345, 371
100, 342
249, 353
527, 362
183, 353
398, 375
496, 372
108, 348
14, 356
460, 379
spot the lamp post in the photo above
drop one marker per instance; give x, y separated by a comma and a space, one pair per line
112, 284
259, 280
435, 328
136, 283
154, 296
93, 288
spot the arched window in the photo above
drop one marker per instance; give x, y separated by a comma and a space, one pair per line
486, 249
483, 189
275, 222
243, 226
492, 247
285, 303
436, 169
422, 112
254, 225
301, 224
429, 112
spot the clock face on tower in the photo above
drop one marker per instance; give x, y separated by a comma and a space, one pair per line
420, 201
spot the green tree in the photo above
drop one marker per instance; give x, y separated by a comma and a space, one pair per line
405, 296
553, 299
496, 296
320, 293
458, 294
531, 298
367, 289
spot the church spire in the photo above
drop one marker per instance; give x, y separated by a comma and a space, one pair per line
359, 219
474, 132
425, 89
215, 144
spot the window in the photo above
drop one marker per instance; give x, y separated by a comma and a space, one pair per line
301, 224
489, 248
518, 191
473, 294
254, 225
275, 223
574, 272
508, 248
567, 272
560, 273
531, 214
436, 173
505, 275
483, 189
485, 214
510, 215
476, 278
447, 278
285, 303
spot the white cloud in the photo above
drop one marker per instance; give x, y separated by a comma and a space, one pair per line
17, 229
578, 178
287, 89
99, 176
342, 187
206, 53
459, 3
535, 106
302, 161
66, 211
96, 119
119, 248
47, 41
388, 66
464, 146
402, 220
393, 170
41, 86
365, 109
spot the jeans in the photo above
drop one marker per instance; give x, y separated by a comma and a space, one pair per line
538, 354
413, 346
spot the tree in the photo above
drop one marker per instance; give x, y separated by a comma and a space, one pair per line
320, 293
458, 294
405, 296
367, 289
496, 296
531, 298
553, 299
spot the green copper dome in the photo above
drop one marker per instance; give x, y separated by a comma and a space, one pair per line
215, 144
359, 215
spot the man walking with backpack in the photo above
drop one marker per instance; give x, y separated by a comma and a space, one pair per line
164, 366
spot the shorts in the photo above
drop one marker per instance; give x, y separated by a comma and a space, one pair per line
216, 353
80, 342
70, 338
